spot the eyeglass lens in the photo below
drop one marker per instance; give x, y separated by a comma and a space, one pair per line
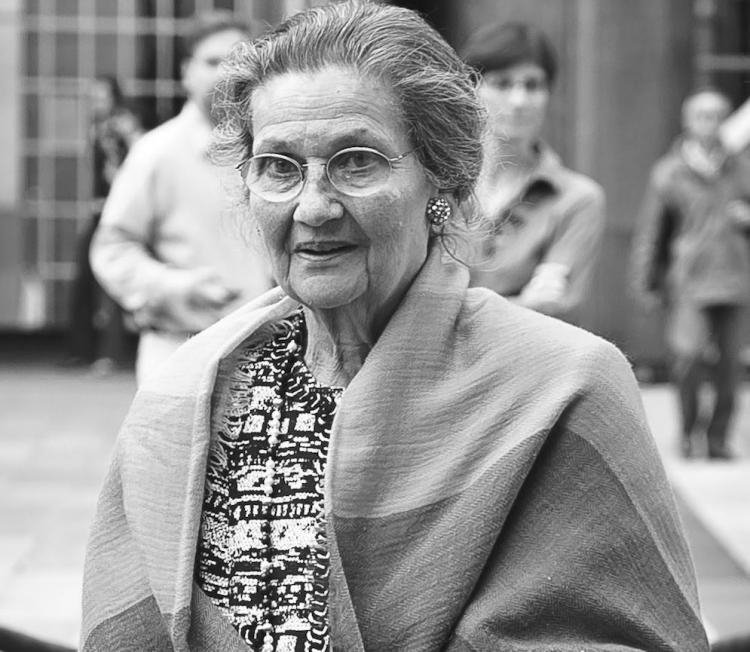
353, 171
506, 83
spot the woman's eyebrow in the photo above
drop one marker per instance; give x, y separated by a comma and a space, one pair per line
272, 145
289, 148
361, 137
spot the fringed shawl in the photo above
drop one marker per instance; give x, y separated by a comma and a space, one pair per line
491, 485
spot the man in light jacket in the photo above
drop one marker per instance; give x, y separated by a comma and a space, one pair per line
169, 248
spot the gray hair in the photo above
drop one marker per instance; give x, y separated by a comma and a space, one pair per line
435, 90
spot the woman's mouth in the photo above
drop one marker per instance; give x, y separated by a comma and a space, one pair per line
321, 250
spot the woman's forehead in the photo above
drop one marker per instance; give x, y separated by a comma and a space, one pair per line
333, 103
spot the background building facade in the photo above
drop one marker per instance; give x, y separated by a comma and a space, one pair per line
625, 67
51, 50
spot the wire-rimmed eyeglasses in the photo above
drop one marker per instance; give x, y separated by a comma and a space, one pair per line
354, 171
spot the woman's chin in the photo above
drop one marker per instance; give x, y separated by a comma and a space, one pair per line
327, 293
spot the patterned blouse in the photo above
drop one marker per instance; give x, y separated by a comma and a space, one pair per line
262, 553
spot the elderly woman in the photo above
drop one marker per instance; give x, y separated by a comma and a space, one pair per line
548, 219
372, 456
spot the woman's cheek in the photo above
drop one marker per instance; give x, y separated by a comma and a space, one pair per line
274, 227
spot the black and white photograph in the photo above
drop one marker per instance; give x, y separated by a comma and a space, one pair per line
375, 326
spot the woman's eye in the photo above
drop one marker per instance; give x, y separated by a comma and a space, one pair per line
534, 85
280, 167
506, 84
356, 161
500, 83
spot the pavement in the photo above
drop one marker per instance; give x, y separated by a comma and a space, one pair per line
57, 432
714, 499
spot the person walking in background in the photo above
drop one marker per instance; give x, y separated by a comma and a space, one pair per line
167, 247
547, 220
97, 332
691, 256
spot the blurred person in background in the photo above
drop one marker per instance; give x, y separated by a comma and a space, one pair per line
691, 256
547, 220
375, 456
97, 332
168, 247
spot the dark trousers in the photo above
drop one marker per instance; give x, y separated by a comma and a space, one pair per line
722, 371
96, 327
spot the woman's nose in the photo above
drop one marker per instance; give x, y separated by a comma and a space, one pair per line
518, 95
317, 202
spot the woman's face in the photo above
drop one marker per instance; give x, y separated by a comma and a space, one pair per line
516, 100
102, 102
327, 249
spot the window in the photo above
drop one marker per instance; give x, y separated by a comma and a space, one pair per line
67, 44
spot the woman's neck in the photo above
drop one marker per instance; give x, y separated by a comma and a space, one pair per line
508, 156
505, 171
338, 341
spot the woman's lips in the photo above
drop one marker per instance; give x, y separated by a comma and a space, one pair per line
323, 250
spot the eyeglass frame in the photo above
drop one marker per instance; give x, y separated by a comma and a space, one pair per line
243, 168
530, 85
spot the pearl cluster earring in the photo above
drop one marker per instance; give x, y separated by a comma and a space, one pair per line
439, 211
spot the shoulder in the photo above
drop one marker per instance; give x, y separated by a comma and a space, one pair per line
537, 345
664, 170
578, 188
191, 369
538, 375
158, 140
153, 153
571, 185
553, 372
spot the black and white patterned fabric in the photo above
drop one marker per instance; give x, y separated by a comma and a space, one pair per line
242, 526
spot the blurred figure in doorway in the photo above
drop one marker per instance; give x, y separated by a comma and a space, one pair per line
167, 247
97, 333
547, 220
691, 256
